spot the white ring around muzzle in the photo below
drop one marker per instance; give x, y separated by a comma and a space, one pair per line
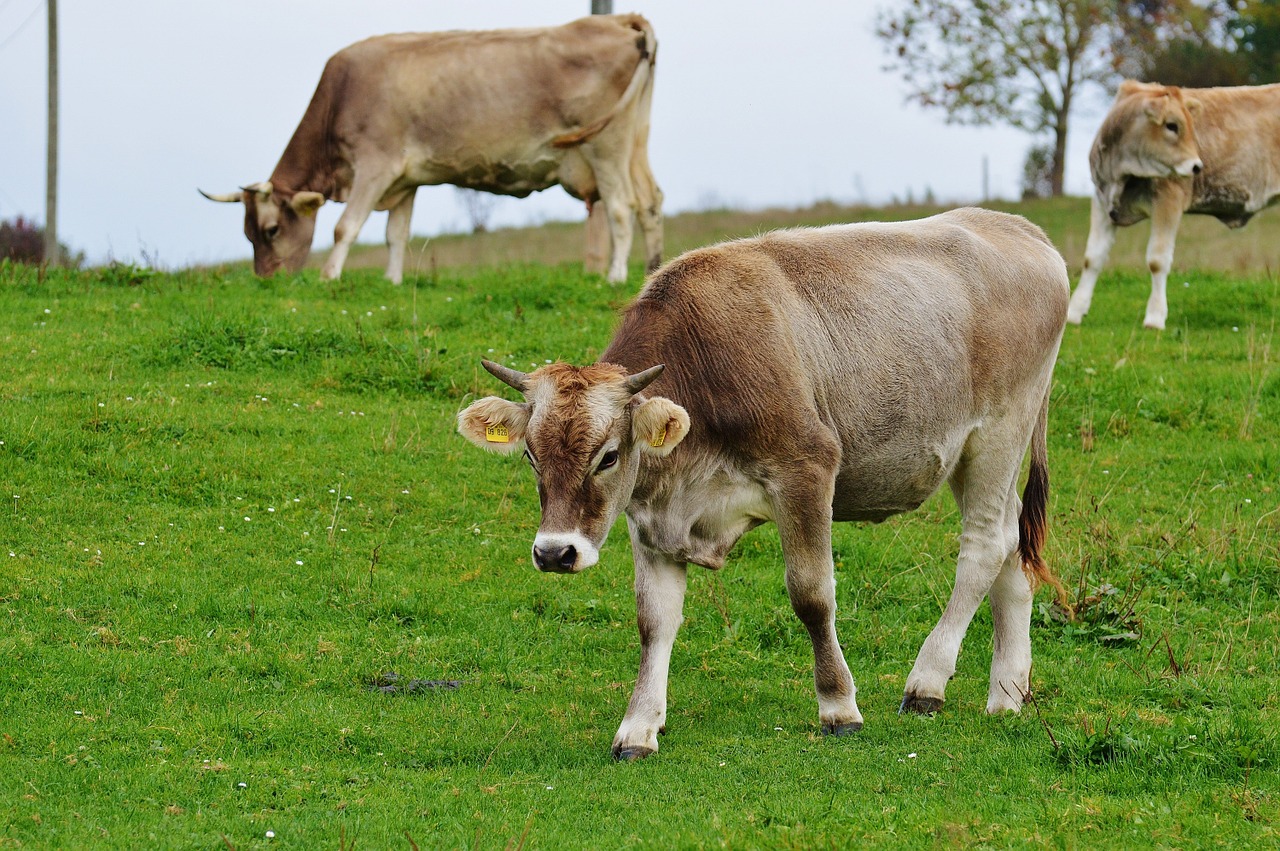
588, 553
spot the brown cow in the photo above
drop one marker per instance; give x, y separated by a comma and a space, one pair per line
1164, 151
505, 111
806, 376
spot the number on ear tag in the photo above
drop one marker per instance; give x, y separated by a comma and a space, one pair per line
496, 433
659, 438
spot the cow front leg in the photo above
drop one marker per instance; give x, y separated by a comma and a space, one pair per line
985, 492
1102, 235
398, 220
364, 196
803, 515
1166, 215
660, 587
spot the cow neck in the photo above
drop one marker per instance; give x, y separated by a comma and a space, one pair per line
309, 162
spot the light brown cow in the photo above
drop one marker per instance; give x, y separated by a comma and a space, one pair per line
504, 111
1164, 151
806, 376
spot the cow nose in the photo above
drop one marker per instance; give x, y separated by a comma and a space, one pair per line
1115, 217
555, 559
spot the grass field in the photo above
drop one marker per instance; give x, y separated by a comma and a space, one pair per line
230, 504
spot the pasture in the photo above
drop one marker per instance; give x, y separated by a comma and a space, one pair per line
229, 505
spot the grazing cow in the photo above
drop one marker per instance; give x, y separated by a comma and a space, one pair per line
806, 376
1164, 151
505, 111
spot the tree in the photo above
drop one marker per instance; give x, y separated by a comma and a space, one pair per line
1256, 29
1016, 62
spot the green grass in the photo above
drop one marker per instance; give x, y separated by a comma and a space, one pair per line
160, 649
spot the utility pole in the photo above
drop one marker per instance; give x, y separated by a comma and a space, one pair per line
51, 253
598, 238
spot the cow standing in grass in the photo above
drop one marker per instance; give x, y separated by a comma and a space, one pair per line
504, 111
1163, 151
806, 376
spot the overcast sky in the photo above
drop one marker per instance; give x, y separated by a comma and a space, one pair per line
757, 103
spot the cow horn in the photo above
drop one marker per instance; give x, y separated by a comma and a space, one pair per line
262, 188
643, 379
511, 377
225, 197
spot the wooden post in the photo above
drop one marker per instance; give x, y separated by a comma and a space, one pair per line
51, 253
602, 7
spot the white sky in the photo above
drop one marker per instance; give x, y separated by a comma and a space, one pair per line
757, 103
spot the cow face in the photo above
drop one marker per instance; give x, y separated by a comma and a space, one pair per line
583, 431
279, 228
1157, 134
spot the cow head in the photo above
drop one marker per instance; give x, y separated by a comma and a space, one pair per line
583, 430
279, 227
1153, 134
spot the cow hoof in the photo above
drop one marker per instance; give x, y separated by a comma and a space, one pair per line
841, 729
918, 705
631, 753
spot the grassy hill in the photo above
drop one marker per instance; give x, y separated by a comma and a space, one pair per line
231, 504
1203, 242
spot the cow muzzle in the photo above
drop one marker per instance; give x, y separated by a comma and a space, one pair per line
563, 553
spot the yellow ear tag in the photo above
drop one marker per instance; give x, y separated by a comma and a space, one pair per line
496, 433
659, 438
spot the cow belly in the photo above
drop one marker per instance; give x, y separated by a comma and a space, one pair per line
514, 177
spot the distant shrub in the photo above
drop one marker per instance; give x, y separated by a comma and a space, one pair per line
1037, 173
22, 241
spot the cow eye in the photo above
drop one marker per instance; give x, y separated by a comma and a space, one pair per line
270, 231
610, 459
1171, 126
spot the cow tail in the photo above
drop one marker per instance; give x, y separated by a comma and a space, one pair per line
648, 47
1033, 522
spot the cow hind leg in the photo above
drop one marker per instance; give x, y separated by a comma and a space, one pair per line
398, 237
1011, 598
983, 484
1102, 235
648, 207
802, 511
660, 588
616, 195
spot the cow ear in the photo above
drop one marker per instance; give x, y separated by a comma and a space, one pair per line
494, 424
658, 425
306, 203
1193, 105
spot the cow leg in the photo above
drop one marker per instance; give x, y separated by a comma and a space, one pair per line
364, 196
1166, 215
1102, 234
648, 207
1011, 598
596, 255
983, 484
398, 237
802, 511
660, 587
615, 193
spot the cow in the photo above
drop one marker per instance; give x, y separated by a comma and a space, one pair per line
803, 377
1163, 151
506, 111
